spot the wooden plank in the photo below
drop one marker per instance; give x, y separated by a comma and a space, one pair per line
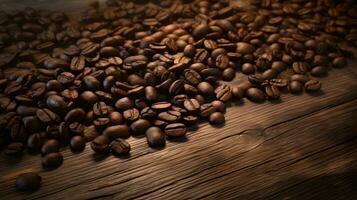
246, 145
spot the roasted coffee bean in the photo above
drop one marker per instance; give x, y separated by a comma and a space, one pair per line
76, 114
100, 144
56, 103
160, 106
206, 89
272, 92
136, 92
52, 160
300, 67
29, 181
299, 77
339, 62
70, 94
223, 93
244, 48
150, 93
228, 74
50, 146
295, 87
91, 83
269, 74
100, 109
200, 31
76, 128
192, 105
175, 130
78, 63
217, 118
131, 115
89, 97
65, 78
14, 148
238, 92
219, 106
255, 95
256, 79
319, 71
120, 147
90, 133
312, 86
155, 137
189, 51
176, 87
116, 118
207, 110
77, 143
124, 104
139, 126
47, 116
170, 116
117, 131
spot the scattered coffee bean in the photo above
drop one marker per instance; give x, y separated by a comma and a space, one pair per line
100, 144
29, 181
52, 160
217, 118
175, 130
155, 137
77, 143
255, 95
120, 147
312, 86
50, 146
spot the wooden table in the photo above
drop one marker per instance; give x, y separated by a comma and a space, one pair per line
303, 147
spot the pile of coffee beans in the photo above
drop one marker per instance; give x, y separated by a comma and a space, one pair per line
154, 68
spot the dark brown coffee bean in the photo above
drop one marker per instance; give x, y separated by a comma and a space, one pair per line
117, 131
109, 51
206, 89
120, 147
29, 181
140, 126
201, 55
76, 114
100, 144
223, 93
76, 128
217, 118
319, 71
90, 133
52, 160
269, 74
100, 109
176, 87
65, 78
200, 31
131, 115
175, 130
244, 48
295, 87
155, 137
14, 148
34, 142
219, 106
207, 110
192, 105
238, 92
70, 94
272, 92
124, 103
312, 86
160, 106
91, 83
116, 118
136, 92
50, 146
47, 116
228, 74
299, 77
255, 95
192, 77
222, 61
339, 62
56, 103
300, 67
77, 143
189, 51
170, 116
150, 93
78, 63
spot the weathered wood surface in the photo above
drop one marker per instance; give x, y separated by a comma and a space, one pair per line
302, 148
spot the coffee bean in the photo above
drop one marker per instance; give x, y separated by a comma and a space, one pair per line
50, 146
255, 95
238, 92
47, 116
77, 143
76, 114
217, 118
150, 93
189, 51
299, 77
175, 130
300, 67
131, 115
228, 74
78, 63
319, 71
65, 78
206, 89
244, 48
14, 148
159, 106
223, 93
312, 86
100, 144
272, 92
155, 137
295, 87
56, 103
124, 104
91, 83
170, 116
52, 160
117, 131
116, 118
89, 97
120, 147
29, 181
207, 110
192, 105
339, 62
269, 74
219, 106
139, 126
200, 31
136, 92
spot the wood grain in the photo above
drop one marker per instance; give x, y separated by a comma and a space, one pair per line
303, 147
270, 150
